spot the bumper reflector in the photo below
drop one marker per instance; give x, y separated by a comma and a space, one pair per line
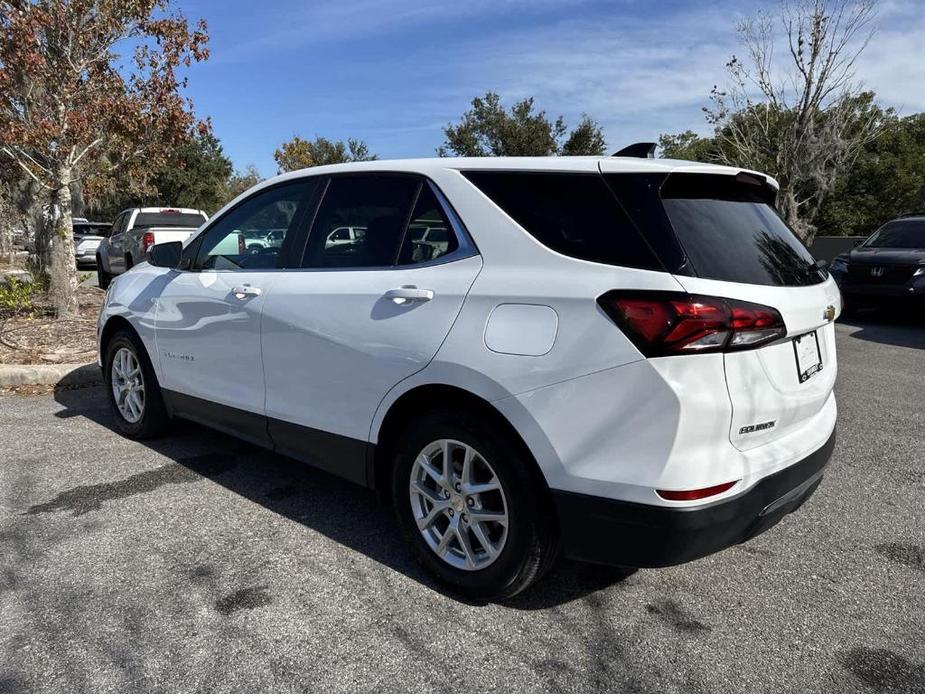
694, 494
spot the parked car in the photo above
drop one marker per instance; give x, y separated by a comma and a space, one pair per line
346, 236
136, 230
256, 240
886, 268
628, 361
429, 239
87, 238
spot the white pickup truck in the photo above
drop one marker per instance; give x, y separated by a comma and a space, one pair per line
136, 230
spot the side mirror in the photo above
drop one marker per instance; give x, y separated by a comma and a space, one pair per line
165, 254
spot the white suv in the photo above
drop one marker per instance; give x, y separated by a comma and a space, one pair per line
621, 360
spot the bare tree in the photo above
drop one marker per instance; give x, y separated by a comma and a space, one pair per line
798, 116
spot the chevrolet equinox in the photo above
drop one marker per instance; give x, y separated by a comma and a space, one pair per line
619, 360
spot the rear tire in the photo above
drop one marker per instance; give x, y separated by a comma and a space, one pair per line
482, 559
103, 278
132, 388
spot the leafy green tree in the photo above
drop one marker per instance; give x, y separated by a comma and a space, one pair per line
239, 182
586, 138
488, 130
886, 180
687, 145
195, 176
301, 154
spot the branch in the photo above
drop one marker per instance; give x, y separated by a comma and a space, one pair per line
25, 168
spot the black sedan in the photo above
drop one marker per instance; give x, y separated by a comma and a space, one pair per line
888, 268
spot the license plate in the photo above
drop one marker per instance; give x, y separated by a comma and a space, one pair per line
808, 356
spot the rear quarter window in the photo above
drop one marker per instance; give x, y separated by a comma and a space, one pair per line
573, 214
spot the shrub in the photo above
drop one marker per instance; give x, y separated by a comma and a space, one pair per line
16, 296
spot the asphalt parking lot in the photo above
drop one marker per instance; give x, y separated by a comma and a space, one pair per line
196, 563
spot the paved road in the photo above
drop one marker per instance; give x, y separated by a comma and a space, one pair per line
200, 564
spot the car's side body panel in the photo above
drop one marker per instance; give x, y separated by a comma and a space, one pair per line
329, 333
208, 338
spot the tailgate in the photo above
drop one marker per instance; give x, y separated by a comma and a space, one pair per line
738, 247
168, 235
88, 244
769, 399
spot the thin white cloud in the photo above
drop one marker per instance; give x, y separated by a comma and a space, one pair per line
638, 72
349, 21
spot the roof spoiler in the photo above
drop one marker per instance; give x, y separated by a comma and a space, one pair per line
640, 150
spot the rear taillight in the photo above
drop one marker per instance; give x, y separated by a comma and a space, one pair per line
666, 323
147, 241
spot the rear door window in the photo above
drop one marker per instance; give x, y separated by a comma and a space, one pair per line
730, 231
375, 206
573, 214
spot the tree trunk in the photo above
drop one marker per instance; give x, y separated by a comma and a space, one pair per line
62, 287
789, 210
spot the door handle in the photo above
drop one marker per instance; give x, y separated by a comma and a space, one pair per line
409, 294
245, 291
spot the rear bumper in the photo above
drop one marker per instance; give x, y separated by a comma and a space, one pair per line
622, 533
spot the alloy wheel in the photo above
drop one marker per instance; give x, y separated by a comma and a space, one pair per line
459, 504
128, 385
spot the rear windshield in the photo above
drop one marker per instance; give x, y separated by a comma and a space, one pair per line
91, 229
573, 214
730, 231
907, 233
168, 219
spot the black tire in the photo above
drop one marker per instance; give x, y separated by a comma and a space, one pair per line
103, 278
531, 547
154, 419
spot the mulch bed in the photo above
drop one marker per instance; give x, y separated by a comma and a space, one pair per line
41, 339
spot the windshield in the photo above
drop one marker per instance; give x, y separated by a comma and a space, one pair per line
168, 218
907, 233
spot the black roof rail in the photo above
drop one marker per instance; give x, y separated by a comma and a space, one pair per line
640, 150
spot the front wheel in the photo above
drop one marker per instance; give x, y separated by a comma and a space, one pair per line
469, 502
134, 393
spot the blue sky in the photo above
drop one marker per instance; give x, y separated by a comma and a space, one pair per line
394, 72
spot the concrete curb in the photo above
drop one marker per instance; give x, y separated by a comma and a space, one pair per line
49, 374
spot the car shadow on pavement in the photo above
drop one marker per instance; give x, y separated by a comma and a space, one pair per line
887, 327
340, 510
